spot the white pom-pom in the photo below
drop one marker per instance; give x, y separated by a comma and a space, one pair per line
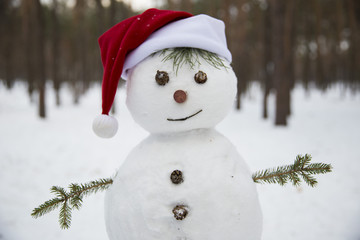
105, 126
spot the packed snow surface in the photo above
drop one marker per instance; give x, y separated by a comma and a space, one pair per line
36, 154
152, 105
217, 190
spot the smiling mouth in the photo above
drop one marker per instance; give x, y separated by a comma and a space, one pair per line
185, 118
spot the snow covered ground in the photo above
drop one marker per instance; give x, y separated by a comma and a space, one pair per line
36, 154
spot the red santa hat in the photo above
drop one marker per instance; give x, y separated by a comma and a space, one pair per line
129, 42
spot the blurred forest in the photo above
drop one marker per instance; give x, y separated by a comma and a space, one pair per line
278, 43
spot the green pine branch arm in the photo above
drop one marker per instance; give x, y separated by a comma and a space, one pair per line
301, 168
258, 176
92, 187
46, 207
70, 200
74, 198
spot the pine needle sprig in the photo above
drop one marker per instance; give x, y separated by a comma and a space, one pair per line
65, 215
46, 207
67, 201
301, 169
191, 56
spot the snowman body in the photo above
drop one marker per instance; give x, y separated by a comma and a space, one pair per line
216, 197
217, 191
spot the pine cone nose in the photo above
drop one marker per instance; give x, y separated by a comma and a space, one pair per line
180, 96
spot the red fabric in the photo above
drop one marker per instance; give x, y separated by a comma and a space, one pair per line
124, 37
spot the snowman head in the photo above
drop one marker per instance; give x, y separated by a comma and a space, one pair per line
180, 89
172, 85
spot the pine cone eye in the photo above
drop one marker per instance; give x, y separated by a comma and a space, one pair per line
200, 77
162, 77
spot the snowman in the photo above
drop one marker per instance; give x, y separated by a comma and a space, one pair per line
185, 180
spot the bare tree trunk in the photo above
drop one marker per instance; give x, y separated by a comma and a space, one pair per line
355, 41
186, 5
338, 56
320, 78
81, 77
281, 83
3, 19
100, 16
238, 48
28, 19
212, 8
112, 12
55, 51
306, 76
34, 41
171, 4
40, 53
289, 36
7, 30
267, 59
226, 18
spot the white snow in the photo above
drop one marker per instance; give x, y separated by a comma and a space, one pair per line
217, 188
36, 154
140, 202
151, 105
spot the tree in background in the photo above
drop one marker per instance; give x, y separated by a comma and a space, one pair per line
55, 50
275, 43
267, 63
34, 40
8, 20
282, 49
353, 7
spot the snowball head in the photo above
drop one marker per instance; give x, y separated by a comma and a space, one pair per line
105, 126
154, 106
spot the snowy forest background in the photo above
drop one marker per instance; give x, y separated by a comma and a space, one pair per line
297, 63
277, 43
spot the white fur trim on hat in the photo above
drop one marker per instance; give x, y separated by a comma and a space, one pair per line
200, 31
105, 126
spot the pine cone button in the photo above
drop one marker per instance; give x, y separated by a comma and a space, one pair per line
180, 212
176, 177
